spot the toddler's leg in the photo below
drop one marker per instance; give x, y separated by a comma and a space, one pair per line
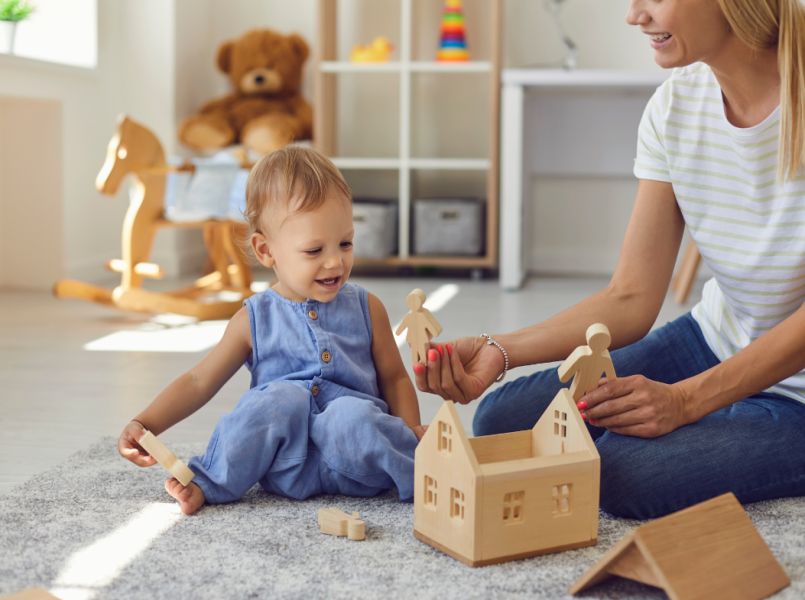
265, 439
364, 450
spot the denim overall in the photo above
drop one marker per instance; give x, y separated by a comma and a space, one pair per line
312, 422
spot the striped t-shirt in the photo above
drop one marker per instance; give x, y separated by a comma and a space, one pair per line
749, 228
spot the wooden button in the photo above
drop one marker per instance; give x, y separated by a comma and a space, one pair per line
314, 390
312, 314
326, 356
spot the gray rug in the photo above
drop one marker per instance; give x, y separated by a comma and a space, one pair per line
80, 528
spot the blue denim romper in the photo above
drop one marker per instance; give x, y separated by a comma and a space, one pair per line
312, 422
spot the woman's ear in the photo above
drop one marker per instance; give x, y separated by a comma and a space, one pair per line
261, 250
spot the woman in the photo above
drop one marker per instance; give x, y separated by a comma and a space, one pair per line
715, 400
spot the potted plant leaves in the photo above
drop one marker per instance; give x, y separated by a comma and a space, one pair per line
11, 13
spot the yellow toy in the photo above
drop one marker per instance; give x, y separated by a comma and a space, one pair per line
378, 51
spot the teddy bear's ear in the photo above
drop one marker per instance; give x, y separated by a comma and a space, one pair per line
299, 46
225, 56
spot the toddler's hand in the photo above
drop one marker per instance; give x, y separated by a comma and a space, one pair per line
419, 431
129, 448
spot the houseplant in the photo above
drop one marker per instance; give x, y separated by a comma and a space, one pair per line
11, 13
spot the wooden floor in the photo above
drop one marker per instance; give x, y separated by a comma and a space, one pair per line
57, 395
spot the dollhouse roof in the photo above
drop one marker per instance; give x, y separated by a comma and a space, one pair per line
513, 452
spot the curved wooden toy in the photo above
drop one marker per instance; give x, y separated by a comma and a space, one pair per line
134, 150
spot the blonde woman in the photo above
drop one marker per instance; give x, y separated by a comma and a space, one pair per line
715, 400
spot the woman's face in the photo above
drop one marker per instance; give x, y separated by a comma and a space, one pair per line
682, 32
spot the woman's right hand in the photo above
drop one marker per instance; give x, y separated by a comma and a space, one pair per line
129, 448
461, 371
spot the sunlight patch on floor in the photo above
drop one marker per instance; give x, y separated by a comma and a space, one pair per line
163, 333
434, 302
92, 568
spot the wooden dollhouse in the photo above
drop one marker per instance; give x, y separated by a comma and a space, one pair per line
495, 498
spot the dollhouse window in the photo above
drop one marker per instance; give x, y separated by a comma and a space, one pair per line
560, 423
445, 437
430, 492
513, 507
456, 504
561, 499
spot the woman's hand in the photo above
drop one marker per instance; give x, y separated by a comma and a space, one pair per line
635, 406
459, 371
129, 448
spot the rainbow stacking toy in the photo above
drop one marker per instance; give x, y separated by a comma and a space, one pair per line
452, 45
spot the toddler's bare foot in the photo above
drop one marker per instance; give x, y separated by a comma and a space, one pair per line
190, 498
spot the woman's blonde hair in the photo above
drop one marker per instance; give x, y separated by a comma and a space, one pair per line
295, 178
780, 24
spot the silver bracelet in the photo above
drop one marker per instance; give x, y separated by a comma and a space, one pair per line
490, 341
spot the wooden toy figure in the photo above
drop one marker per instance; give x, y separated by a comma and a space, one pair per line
422, 326
588, 363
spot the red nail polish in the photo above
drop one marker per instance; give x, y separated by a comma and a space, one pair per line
584, 416
432, 355
440, 348
419, 368
450, 349
581, 404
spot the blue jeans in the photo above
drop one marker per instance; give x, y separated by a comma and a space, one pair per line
754, 448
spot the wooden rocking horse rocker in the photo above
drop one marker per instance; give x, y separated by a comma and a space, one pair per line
135, 150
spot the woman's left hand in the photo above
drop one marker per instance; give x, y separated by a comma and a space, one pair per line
635, 406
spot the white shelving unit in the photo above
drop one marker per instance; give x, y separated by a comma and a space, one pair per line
406, 164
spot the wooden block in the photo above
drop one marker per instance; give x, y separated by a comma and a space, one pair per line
334, 521
710, 550
166, 458
37, 593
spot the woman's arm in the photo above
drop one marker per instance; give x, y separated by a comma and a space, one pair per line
644, 408
191, 390
395, 384
631, 301
628, 306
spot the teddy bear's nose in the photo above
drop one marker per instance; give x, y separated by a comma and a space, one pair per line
259, 80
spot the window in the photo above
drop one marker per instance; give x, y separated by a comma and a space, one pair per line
513, 507
430, 492
456, 504
445, 437
60, 32
560, 423
561, 499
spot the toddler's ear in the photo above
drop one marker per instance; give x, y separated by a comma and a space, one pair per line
261, 250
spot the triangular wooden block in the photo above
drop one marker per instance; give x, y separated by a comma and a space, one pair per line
710, 550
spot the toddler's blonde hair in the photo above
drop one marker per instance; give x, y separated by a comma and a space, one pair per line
295, 178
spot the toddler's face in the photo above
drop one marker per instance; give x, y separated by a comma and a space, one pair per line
310, 251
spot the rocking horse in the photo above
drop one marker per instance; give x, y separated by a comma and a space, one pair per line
134, 150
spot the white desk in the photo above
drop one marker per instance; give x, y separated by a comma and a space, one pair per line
601, 138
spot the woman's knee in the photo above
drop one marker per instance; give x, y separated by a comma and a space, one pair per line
632, 486
516, 405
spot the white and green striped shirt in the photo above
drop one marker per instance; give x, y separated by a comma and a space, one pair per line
749, 228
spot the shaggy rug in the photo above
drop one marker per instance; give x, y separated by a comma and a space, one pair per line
98, 527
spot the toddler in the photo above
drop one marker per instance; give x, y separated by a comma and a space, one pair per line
321, 354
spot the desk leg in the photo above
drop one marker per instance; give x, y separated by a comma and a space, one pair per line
511, 188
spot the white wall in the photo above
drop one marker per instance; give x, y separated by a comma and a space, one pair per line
156, 62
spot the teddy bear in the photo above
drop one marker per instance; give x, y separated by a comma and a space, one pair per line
265, 110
